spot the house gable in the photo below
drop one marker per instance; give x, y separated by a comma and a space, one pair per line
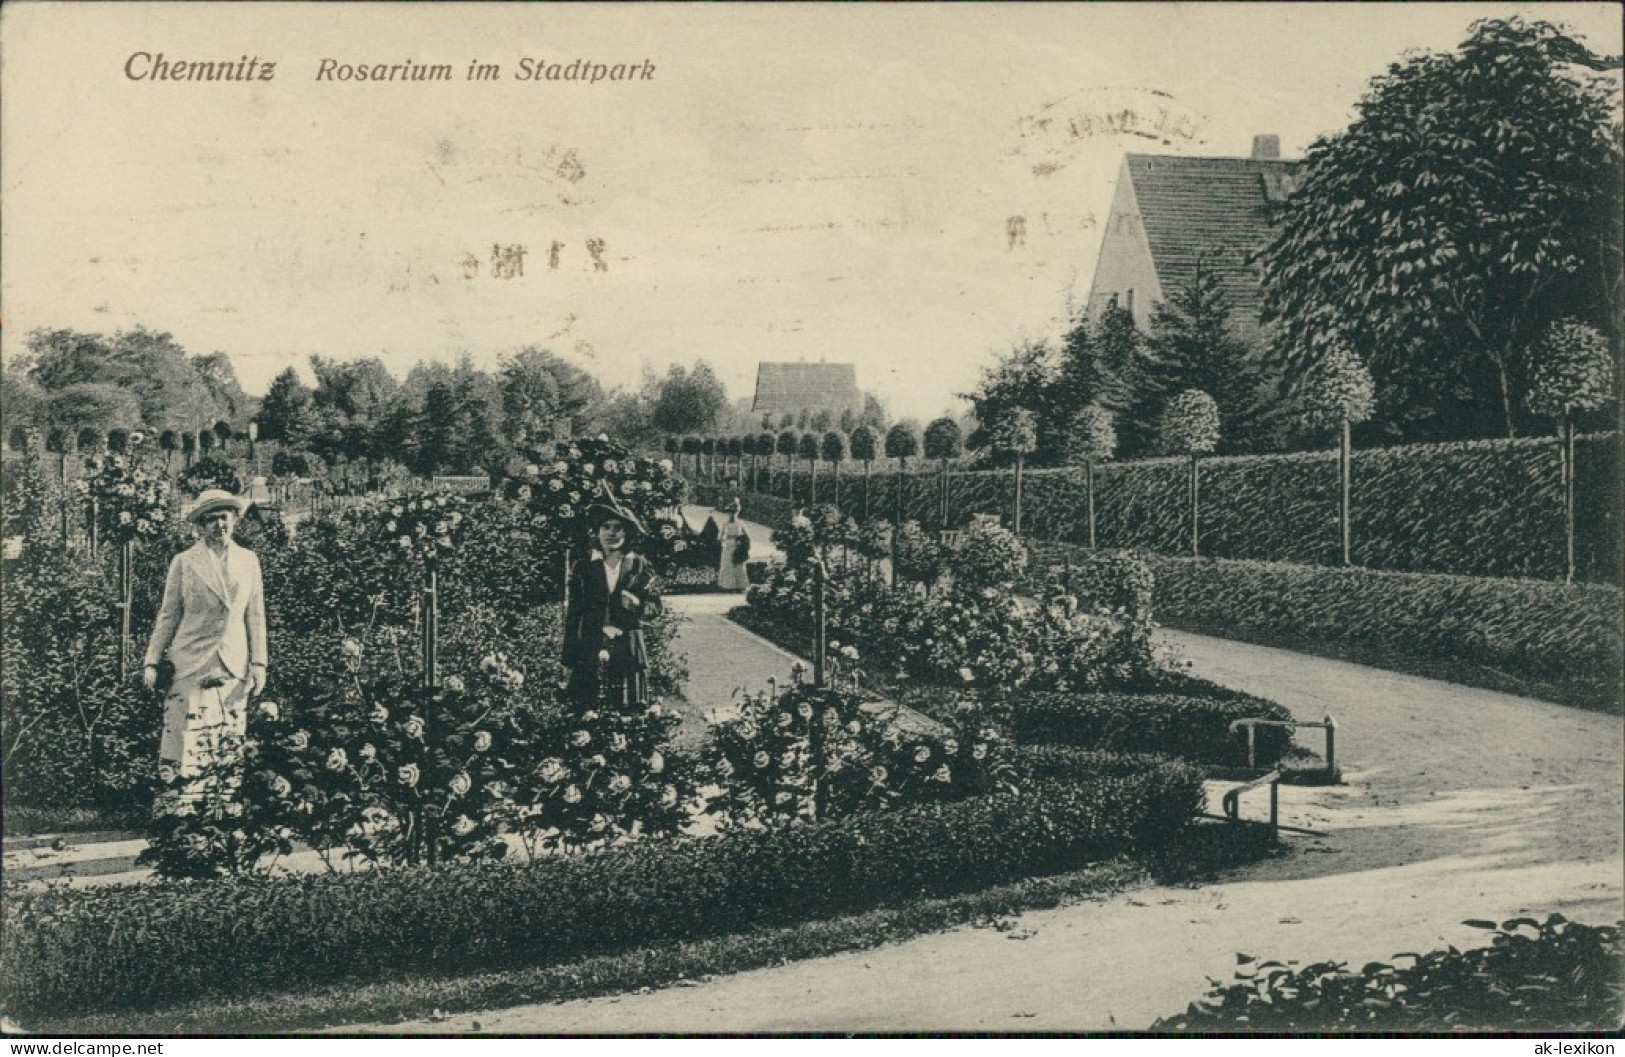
1125, 273
1188, 209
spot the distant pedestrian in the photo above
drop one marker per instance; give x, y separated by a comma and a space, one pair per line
733, 543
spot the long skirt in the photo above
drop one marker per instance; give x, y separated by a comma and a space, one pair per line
205, 723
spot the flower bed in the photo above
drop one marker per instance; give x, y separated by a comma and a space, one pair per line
1523, 636
975, 627
70, 951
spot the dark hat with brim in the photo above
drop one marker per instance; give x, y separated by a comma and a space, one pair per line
607, 509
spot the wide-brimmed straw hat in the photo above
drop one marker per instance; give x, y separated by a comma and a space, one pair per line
214, 499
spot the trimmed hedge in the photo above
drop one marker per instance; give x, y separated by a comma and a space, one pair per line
1191, 728
72, 951
1475, 508
1554, 640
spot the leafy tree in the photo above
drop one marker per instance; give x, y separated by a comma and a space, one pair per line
349, 405
1024, 379
219, 377
1193, 345
765, 445
820, 420
1016, 434
92, 405
1475, 200
540, 393
944, 441
807, 448
1338, 392
833, 450
787, 445
148, 364
1191, 425
1091, 438
285, 413
865, 446
902, 444
689, 400
1575, 373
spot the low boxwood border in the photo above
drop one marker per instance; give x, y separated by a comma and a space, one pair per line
1188, 726
140, 947
1559, 642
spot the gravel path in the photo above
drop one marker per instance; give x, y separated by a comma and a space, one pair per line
1458, 803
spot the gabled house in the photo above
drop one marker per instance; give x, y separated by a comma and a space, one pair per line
792, 387
1169, 211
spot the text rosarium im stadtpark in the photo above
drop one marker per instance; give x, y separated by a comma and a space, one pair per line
157, 66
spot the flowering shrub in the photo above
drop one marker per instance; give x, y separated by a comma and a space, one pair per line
919, 557
983, 636
72, 950
425, 526
558, 484
608, 774
816, 752
387, 770
990, 556
131, 503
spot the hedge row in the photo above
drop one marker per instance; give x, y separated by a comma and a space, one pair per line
74, 951
1562, 640
1478, 508
1191, 728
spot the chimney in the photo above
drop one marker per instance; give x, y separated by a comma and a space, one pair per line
1267, 147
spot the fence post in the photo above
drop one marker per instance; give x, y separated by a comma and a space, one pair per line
1089, 497
1346, 512
1196, 517
126, 576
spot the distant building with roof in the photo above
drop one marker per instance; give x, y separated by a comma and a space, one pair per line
792, 387
1170, 211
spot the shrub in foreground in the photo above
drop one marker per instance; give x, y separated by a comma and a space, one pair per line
70, 951
1534, 976
1196, 729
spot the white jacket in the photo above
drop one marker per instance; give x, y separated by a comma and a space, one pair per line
198, 620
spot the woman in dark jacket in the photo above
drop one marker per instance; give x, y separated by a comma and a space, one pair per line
611, 593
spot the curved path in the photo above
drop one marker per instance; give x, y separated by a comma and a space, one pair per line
1458, 803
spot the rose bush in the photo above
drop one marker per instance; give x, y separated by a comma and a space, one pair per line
816, 752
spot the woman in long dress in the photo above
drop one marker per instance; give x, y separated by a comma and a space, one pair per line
734, 543
211, 624
611, 593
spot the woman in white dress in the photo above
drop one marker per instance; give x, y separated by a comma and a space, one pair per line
734, 543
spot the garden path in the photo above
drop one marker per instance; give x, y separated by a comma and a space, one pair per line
1458, 803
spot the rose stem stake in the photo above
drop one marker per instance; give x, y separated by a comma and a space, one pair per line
431, 675
126, 562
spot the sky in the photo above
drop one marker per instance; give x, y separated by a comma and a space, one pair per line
914, 189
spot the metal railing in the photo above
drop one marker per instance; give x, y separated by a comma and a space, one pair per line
1328, 724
